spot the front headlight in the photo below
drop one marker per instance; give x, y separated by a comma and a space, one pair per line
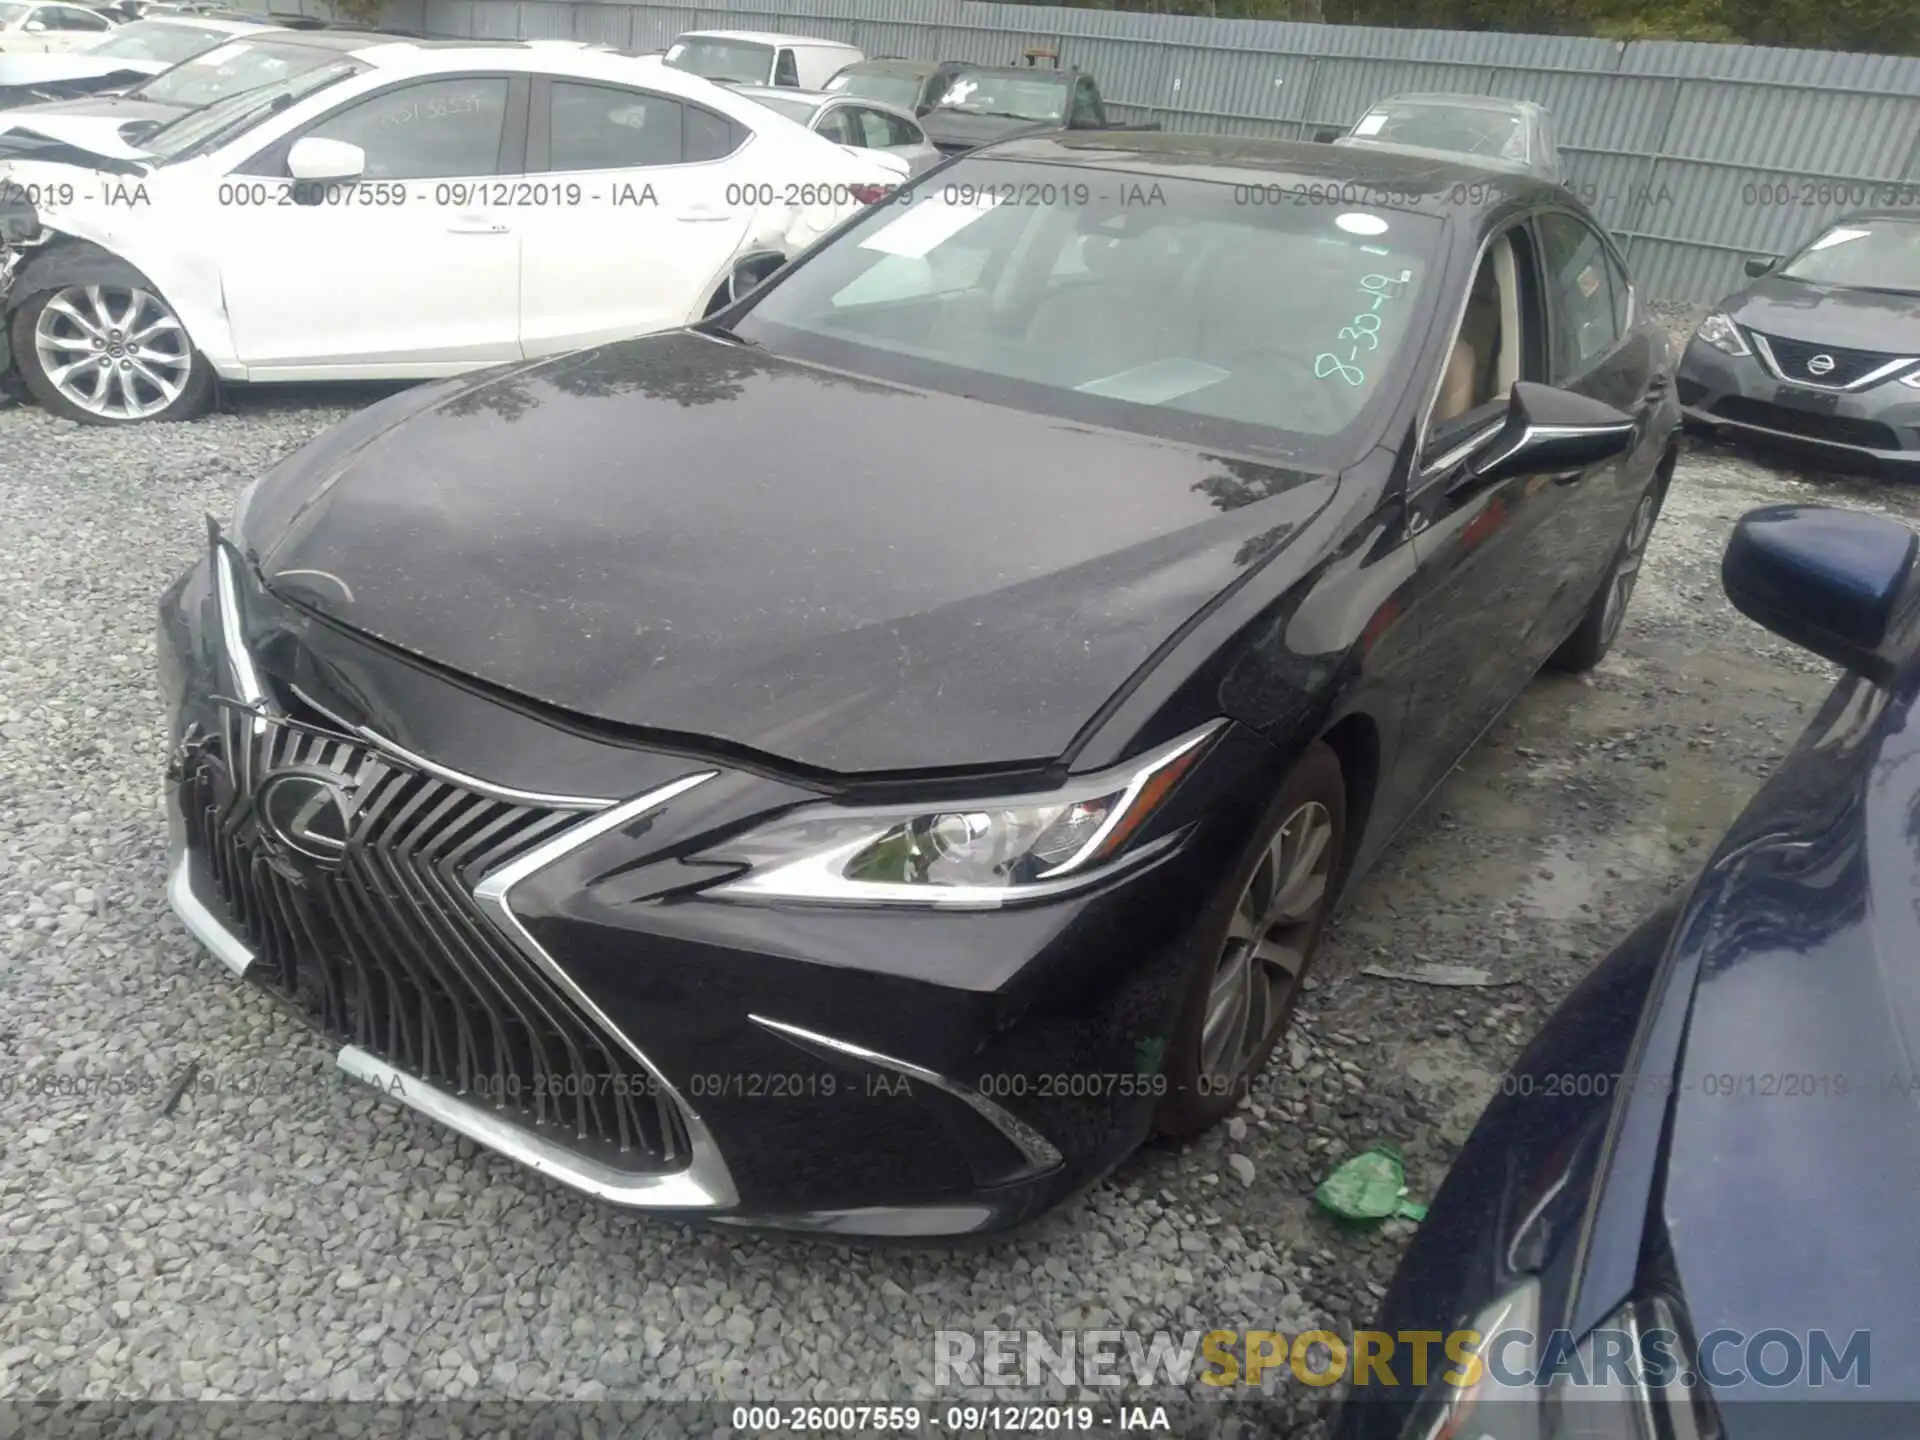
1719, 331
969, 854
1522, 1385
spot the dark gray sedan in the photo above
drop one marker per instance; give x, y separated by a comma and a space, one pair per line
1488, 130
1821, 351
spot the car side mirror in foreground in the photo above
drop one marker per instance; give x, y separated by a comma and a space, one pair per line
1758, 265
1832, 581
316, 159
1549, 431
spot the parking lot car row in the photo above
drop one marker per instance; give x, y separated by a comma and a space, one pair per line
824, 648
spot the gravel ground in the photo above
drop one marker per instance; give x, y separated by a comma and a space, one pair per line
282, 1235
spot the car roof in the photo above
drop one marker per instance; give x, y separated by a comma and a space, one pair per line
763, 37
1855, 217
1043, 72
819, 98
1459, 101
1426, 185
894, 65
401, 53
786, 92
219, 24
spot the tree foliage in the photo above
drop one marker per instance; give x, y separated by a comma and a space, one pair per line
1886, 27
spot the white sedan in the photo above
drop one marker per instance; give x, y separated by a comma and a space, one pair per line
34, 27
116, 58
404, 211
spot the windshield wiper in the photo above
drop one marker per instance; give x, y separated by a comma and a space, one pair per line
710, 327
1886, 289
1002, 115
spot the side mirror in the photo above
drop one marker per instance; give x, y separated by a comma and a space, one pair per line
1831, 581
34, 27
1327, 136
1549, 431
750, 274
317, 159
1758, 265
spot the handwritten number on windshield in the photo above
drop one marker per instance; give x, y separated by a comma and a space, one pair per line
1363, 333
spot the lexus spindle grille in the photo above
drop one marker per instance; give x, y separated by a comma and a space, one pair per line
1841, 367
385, 947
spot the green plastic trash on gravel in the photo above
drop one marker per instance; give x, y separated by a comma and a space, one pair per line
1370, 1186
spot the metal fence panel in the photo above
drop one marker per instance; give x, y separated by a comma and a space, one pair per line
1695, 155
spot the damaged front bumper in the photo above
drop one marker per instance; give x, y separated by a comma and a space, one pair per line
19, 227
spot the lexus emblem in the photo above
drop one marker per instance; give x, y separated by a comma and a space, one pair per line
1820, 364
309, 812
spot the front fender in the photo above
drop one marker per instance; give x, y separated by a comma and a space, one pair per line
97, 246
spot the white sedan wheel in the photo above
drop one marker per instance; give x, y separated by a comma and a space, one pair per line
115, 351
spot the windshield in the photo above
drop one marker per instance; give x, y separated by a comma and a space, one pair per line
1142, 306
1438, 126
1016, 96
157, 40
901, 90
1867, 254
741, 61
800, 110
231, 68
227, 119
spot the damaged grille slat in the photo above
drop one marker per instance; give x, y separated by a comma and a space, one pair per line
385, 947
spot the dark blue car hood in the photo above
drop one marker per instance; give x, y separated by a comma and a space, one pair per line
1795, 1139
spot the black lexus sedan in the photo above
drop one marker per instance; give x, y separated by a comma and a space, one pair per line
868, 760
1690, 1165
1820, 353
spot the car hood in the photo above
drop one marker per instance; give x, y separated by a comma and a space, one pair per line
1829, 315
1796, 1118
689, 536
956, 128
52, 68
58, 134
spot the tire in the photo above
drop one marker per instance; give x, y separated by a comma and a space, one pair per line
162, 377
1209, 1067
1599, 627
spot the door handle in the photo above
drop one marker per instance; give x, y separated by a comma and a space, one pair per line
703, 215
478, 225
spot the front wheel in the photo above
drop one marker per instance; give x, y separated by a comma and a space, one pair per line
1258, 946
109, 354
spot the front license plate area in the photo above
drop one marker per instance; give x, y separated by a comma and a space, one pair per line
1797, 397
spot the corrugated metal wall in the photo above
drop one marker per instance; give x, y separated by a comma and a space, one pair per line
1695, 155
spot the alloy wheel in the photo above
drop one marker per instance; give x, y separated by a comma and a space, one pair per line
1620, 587
1261, 963
115, 351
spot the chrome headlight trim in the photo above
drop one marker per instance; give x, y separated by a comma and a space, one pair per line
1719, 331
825, 839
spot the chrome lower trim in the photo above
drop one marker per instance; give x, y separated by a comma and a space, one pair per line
706, 1183
899, 1221
681, 1190
1040, 1152
228, 948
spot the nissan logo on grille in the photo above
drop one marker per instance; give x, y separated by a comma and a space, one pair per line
309, 812
1820, 364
